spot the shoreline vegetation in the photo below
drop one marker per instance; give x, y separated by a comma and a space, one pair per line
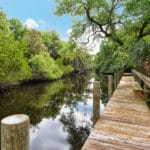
28, 54
9, 86
31, 55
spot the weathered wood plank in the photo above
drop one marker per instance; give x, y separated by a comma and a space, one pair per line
125, 123
142, 77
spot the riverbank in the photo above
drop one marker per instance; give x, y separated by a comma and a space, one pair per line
7, 86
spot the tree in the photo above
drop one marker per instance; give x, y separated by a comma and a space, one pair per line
52, 41
4, 24
111, 58
17, 28
138, 27
14, 66
44, 67
74, 57
34, 43
101, 16
124, 24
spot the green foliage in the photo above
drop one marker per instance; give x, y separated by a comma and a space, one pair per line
4, 24
125, 24
140, 9
17, 28
52, 42
67, 52
101, 63
111, 59
77, 58
34, 43
67, 69
43, 66
14, 66
101, 16
30, 54
139, 51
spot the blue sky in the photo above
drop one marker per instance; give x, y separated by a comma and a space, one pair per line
37, 13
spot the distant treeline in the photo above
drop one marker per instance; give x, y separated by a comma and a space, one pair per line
27, 54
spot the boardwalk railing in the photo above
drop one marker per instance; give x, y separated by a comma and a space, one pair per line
143, 80
125, 122
142, 77
113, 80
117, 77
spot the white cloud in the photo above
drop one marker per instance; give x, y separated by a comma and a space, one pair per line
32, 24
69, 31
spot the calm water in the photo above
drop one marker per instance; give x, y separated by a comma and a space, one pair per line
60, 112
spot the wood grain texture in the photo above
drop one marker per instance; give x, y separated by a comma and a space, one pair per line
15, 132
125, 123
142, 77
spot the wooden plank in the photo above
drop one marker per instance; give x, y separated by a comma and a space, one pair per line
125, 123
127, 74
146, 91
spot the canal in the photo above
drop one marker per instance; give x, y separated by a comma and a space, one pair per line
61, 112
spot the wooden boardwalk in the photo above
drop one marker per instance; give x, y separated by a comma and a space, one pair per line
125, 123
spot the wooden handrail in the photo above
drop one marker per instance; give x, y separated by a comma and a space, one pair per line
142, 77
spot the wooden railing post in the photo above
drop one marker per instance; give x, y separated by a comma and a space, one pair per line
120, 75
145, 89
110, 87
117, 77
15, 132
96, 101
115, 80
144, 82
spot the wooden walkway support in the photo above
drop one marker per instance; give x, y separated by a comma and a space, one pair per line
110, 85
96, 101
125, 123
15, 132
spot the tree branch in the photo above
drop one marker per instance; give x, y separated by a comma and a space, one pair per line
146, 33
92, 34
96, 22
101, 27
142, 29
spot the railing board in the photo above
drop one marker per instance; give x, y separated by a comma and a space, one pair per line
142, 77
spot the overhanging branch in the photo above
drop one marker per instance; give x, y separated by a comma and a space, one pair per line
102, 26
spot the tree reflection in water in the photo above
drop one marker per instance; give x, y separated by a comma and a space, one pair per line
78, 131
65, 104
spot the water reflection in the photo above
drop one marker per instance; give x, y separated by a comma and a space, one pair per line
50, 135
60, 111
